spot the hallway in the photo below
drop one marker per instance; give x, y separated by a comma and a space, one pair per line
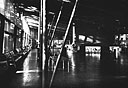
92, 70
28, 74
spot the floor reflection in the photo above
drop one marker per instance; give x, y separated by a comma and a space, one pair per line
30, 75
93, 70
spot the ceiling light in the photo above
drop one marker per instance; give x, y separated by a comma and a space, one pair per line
65, 0
51, 13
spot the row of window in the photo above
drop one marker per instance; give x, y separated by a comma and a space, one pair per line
14, 38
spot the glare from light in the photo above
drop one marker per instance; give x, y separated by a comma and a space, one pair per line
97, 41
121, 61
25, 25
82, 37
92, 49
117, 50
89, 39
32, 8
26, 77
33, 24
66, 0
21, 7
72, 61
70, 55
96, 55
28, 10
32, 20
116, 37
117, 20
2, 5
35, 17
51, 13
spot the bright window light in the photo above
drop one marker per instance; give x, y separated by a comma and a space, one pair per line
89, 40
2, 4
92, 49
81, 37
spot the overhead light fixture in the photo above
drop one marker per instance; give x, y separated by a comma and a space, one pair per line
31, 9
28, 10
21, 6
117, 20
51, 13
65, 1
35, 17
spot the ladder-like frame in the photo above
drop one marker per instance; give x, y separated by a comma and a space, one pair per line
64, 40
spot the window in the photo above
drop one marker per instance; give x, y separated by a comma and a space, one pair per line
6, 27
11, 30
9, 27
8, 43
18, 42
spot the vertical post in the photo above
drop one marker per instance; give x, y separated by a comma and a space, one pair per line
68, 65
63, 64
21, 39
56, 24
43, 15
74, 35
38, 41
51, 23
42, 37
15, 33
2, 34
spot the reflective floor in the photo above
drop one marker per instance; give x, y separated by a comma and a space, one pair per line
93, 70
83, 70
28, 74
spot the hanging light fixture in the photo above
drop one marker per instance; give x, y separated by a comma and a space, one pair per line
65, 1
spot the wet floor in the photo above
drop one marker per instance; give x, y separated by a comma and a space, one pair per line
93, 70
27, 75
83, 70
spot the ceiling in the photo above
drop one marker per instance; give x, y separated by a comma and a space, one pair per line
112, 8
26, 3
100, 18
31, 9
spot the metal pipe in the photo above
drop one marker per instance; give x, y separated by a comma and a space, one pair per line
43, 13
39, 32
51, 24
42, 24
56, 24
